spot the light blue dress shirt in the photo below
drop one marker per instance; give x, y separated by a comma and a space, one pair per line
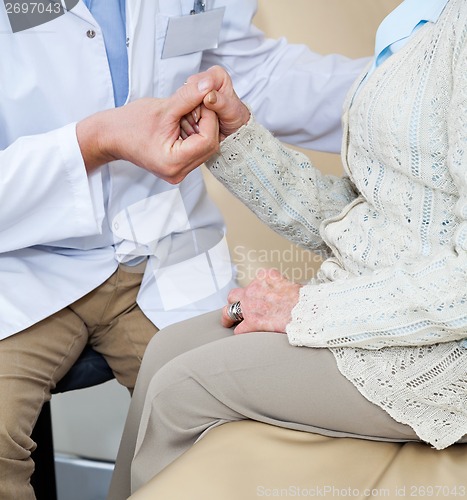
110, 15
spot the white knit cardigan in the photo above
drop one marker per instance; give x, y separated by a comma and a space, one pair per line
390, 300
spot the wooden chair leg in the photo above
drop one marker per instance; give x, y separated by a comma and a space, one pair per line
43, 479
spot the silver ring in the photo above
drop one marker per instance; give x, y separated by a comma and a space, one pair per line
234, 312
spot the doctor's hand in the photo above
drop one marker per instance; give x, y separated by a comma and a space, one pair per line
147, 132
266, 303
221, 98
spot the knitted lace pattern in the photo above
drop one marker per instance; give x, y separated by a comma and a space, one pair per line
390, 300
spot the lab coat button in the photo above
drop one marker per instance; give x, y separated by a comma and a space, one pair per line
116, 225
90, 33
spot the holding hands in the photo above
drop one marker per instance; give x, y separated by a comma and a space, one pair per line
146, 132
168, 137
221, 98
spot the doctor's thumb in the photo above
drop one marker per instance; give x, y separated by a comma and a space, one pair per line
186, 99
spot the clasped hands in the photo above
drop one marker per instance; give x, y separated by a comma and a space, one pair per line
149, 132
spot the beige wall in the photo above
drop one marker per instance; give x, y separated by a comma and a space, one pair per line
344, 26
327, 26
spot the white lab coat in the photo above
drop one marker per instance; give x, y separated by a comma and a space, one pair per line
62, 233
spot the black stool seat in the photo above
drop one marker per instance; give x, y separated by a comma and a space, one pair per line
90, 369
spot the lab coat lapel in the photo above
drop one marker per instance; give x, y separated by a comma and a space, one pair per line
80, 10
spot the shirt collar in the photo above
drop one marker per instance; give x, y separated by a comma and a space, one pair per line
401, 22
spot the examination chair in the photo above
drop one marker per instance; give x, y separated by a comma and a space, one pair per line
248, 460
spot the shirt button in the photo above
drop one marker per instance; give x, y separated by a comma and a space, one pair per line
90, 33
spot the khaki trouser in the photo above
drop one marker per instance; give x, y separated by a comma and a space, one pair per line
33, 361
197, 375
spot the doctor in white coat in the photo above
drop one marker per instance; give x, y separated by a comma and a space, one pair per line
98, 242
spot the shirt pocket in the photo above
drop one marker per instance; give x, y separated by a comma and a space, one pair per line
172, 72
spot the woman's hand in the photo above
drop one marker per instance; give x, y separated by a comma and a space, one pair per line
266, 303
189, 123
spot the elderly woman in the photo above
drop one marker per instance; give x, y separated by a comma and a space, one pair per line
374, 346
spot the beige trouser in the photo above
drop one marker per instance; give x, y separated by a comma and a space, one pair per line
196, 375
33, 361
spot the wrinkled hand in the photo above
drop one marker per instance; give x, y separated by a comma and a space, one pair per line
221, 98
147, 132
267, 303
189, 123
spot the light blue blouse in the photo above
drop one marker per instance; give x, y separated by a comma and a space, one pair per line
402, 23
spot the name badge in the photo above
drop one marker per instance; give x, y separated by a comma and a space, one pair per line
193, 33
